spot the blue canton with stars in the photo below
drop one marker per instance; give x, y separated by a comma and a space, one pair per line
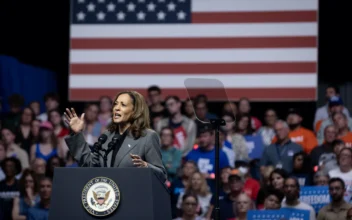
130, 11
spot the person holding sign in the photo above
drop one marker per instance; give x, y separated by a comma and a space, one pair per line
292, 191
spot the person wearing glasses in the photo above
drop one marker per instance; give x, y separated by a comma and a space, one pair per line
338, 208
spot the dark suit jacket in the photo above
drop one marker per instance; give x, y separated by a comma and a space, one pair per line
147, 147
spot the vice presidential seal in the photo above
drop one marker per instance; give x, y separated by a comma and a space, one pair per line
100, 196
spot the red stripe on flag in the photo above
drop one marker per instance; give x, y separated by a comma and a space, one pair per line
254, 17
193, 43
204, 68
265, 94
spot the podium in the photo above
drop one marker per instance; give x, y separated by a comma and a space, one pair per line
108, 193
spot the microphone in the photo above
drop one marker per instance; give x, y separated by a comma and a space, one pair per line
101, 140
111, 146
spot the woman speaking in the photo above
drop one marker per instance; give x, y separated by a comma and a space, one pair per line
135, 144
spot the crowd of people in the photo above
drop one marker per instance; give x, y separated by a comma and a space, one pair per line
292, 156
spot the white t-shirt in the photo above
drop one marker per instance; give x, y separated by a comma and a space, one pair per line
347, 178
302, 206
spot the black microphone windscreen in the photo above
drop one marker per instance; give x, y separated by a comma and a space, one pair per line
102, 139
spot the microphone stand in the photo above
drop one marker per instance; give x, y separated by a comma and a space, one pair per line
111, 146
216, 123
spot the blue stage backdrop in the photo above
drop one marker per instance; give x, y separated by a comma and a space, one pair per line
29, 81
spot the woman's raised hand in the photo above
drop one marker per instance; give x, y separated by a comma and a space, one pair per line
76, 123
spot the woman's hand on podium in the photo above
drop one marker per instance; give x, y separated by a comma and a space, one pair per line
76, 123
137, 161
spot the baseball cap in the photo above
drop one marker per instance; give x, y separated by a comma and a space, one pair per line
47, 125
335, 100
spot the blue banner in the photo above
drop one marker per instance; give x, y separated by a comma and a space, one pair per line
281, 214
316, 196
255, 146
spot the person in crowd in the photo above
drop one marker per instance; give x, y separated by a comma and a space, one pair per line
344, 171
198, 186
298, 134
243, 124
47, 143
190, 205
244, 107
35, 127
330, 135
12, 149
229, 108
35, 106
280, 153
228, 151
335, 106
226, 203
179, 184
28, 187
265, 184
243, 205
343, 132
40, 211
184, 128
277, 179
53, 162
12, 119
171, 156
322, 112
273, 199
93, 128
23, 132
55, 118
233, 140
302, 169
105, 111
39, 166
224, 181
70, 161
251, 186
292, 192
51, 101
9, 187
157, 110
188, 109
267, 131
204, 155
321, 178
202, 114
338, 207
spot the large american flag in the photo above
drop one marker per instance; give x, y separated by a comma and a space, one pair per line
261, 49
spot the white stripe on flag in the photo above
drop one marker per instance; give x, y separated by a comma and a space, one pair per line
177, 81
194, 55
195, 30
253, 5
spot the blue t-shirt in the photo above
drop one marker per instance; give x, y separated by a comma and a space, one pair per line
205, 160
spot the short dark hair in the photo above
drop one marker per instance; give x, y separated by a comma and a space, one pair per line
337, 179
234, 177
51, 95
154, 88
336, 88
295, 179
168, 128
176, 98
280, 195
337, 142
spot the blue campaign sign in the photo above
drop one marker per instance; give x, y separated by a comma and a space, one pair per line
255, 146
280, 214
296, 214
316, 196
266, 215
